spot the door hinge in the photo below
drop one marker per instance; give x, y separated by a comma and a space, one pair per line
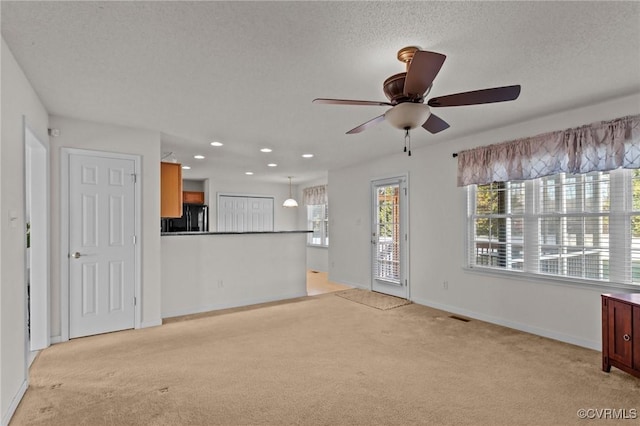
135, 301
406, 238
134, 240
405, 191
405, 282
134, 177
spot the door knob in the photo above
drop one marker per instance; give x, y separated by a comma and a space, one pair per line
626, 337
76, 255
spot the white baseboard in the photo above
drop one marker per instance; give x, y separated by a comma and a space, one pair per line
228, 305
154, 323
55, 339
595, 345
32, 357
6, 418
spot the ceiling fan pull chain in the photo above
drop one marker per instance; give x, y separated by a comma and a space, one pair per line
406, 133
407, 141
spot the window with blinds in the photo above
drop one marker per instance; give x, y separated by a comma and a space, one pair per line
584, 227
318, 223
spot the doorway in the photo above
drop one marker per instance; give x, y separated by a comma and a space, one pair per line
389, 236
37, 234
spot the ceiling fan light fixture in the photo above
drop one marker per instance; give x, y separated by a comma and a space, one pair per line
407, 115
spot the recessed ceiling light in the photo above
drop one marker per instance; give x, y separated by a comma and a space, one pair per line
198, 157
307, 155
216, 143
186, 168
266, 150
272, 165
248, 173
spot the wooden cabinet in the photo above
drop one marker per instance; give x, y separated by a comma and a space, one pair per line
193, 197
621, 332
170, 190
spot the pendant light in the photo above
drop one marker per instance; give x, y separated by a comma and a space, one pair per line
290, 202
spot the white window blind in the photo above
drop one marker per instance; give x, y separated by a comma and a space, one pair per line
584, 227
316, 199
318, 223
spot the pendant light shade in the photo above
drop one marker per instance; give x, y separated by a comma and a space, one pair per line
290, 202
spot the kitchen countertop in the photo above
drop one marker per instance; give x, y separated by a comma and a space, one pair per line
233, 233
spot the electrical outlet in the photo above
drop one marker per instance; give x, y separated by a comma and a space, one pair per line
220, 284
445, 285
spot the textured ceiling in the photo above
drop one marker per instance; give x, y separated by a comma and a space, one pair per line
245, 73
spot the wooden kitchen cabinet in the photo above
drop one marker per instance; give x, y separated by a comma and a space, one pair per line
170, 190
193, 197
621, 332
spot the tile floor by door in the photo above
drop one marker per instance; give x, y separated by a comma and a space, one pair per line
318, 283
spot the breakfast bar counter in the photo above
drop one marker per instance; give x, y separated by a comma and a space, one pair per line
205, 271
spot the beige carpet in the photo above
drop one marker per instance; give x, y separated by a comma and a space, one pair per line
321, 360
371, 298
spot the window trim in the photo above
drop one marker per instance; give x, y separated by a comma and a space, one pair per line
584, 283
325, 234
531, 239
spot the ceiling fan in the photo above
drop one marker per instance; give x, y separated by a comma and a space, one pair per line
406, 92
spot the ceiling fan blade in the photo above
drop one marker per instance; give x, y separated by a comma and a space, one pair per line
423, 68
349, 102
435, 124
366, 125
485, 96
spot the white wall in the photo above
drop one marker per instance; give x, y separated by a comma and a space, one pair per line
103, 137
437, 233
318, 258
284, 219
193, 185
19, 102
208, 272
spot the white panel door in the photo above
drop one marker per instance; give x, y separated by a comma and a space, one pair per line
245, 214
389, 237
101, 244
232, 214
260, 214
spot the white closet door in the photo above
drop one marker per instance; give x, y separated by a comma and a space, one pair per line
245, 214
231, 214
260, 214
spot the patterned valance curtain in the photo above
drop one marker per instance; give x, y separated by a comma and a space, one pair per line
601, 146
315, 195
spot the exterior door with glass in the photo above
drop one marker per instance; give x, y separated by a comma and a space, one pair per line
389, 236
